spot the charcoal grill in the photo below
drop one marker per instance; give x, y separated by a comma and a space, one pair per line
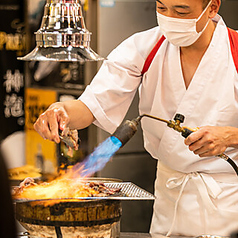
78, 217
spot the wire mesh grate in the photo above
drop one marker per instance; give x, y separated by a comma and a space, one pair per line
131, 191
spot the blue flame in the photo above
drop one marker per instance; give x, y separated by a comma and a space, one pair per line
97, 160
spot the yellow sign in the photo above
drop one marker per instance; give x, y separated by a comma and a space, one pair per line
13, 42
36, 102
39, 152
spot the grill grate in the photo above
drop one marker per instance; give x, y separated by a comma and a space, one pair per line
130, 191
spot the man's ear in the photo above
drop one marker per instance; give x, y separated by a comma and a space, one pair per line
215, 6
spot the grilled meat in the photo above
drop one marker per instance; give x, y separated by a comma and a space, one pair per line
62, 188
70, 138
103, 190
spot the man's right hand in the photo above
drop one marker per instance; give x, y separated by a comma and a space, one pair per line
49, 123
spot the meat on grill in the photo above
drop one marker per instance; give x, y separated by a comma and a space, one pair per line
70, 137
103, 190
91, 189
24, 184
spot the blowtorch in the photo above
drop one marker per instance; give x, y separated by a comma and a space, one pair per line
127, 129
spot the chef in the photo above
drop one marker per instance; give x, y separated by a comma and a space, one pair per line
192, 72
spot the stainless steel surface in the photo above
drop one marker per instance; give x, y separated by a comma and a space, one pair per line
122, 235
133, 235
63, 35
211, 236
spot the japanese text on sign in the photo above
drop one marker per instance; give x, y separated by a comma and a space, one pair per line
13, 103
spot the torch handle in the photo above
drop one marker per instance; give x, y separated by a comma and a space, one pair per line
186, 132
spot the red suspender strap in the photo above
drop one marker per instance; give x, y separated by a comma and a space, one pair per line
151, 56
233, 36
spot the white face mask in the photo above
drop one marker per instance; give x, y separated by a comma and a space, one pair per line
180, 32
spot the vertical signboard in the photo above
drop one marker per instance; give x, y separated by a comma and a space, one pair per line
12, 45
39, 152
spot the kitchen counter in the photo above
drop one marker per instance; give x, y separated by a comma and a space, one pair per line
122, 235
136, 235
147, 235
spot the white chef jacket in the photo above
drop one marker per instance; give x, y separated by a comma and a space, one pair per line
210, 99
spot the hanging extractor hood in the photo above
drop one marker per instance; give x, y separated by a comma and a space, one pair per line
63, 35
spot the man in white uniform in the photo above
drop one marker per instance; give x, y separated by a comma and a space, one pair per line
192, 73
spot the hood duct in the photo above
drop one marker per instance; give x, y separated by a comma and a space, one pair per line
63, 35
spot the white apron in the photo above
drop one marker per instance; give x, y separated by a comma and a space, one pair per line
192, 204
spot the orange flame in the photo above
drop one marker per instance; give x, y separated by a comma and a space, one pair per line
67, 185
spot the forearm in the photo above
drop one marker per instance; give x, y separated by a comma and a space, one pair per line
79, 114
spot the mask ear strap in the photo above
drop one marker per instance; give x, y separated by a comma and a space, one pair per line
204, 11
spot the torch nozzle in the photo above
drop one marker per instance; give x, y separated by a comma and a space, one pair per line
126, 130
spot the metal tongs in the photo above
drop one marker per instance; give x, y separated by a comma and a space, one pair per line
67, 139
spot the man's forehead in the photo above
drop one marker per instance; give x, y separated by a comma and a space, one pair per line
180, 2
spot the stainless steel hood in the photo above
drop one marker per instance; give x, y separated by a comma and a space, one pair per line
63, 35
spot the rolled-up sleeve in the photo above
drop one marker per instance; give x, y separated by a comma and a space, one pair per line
113, 88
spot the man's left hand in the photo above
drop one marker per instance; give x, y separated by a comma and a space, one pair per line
210, 140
